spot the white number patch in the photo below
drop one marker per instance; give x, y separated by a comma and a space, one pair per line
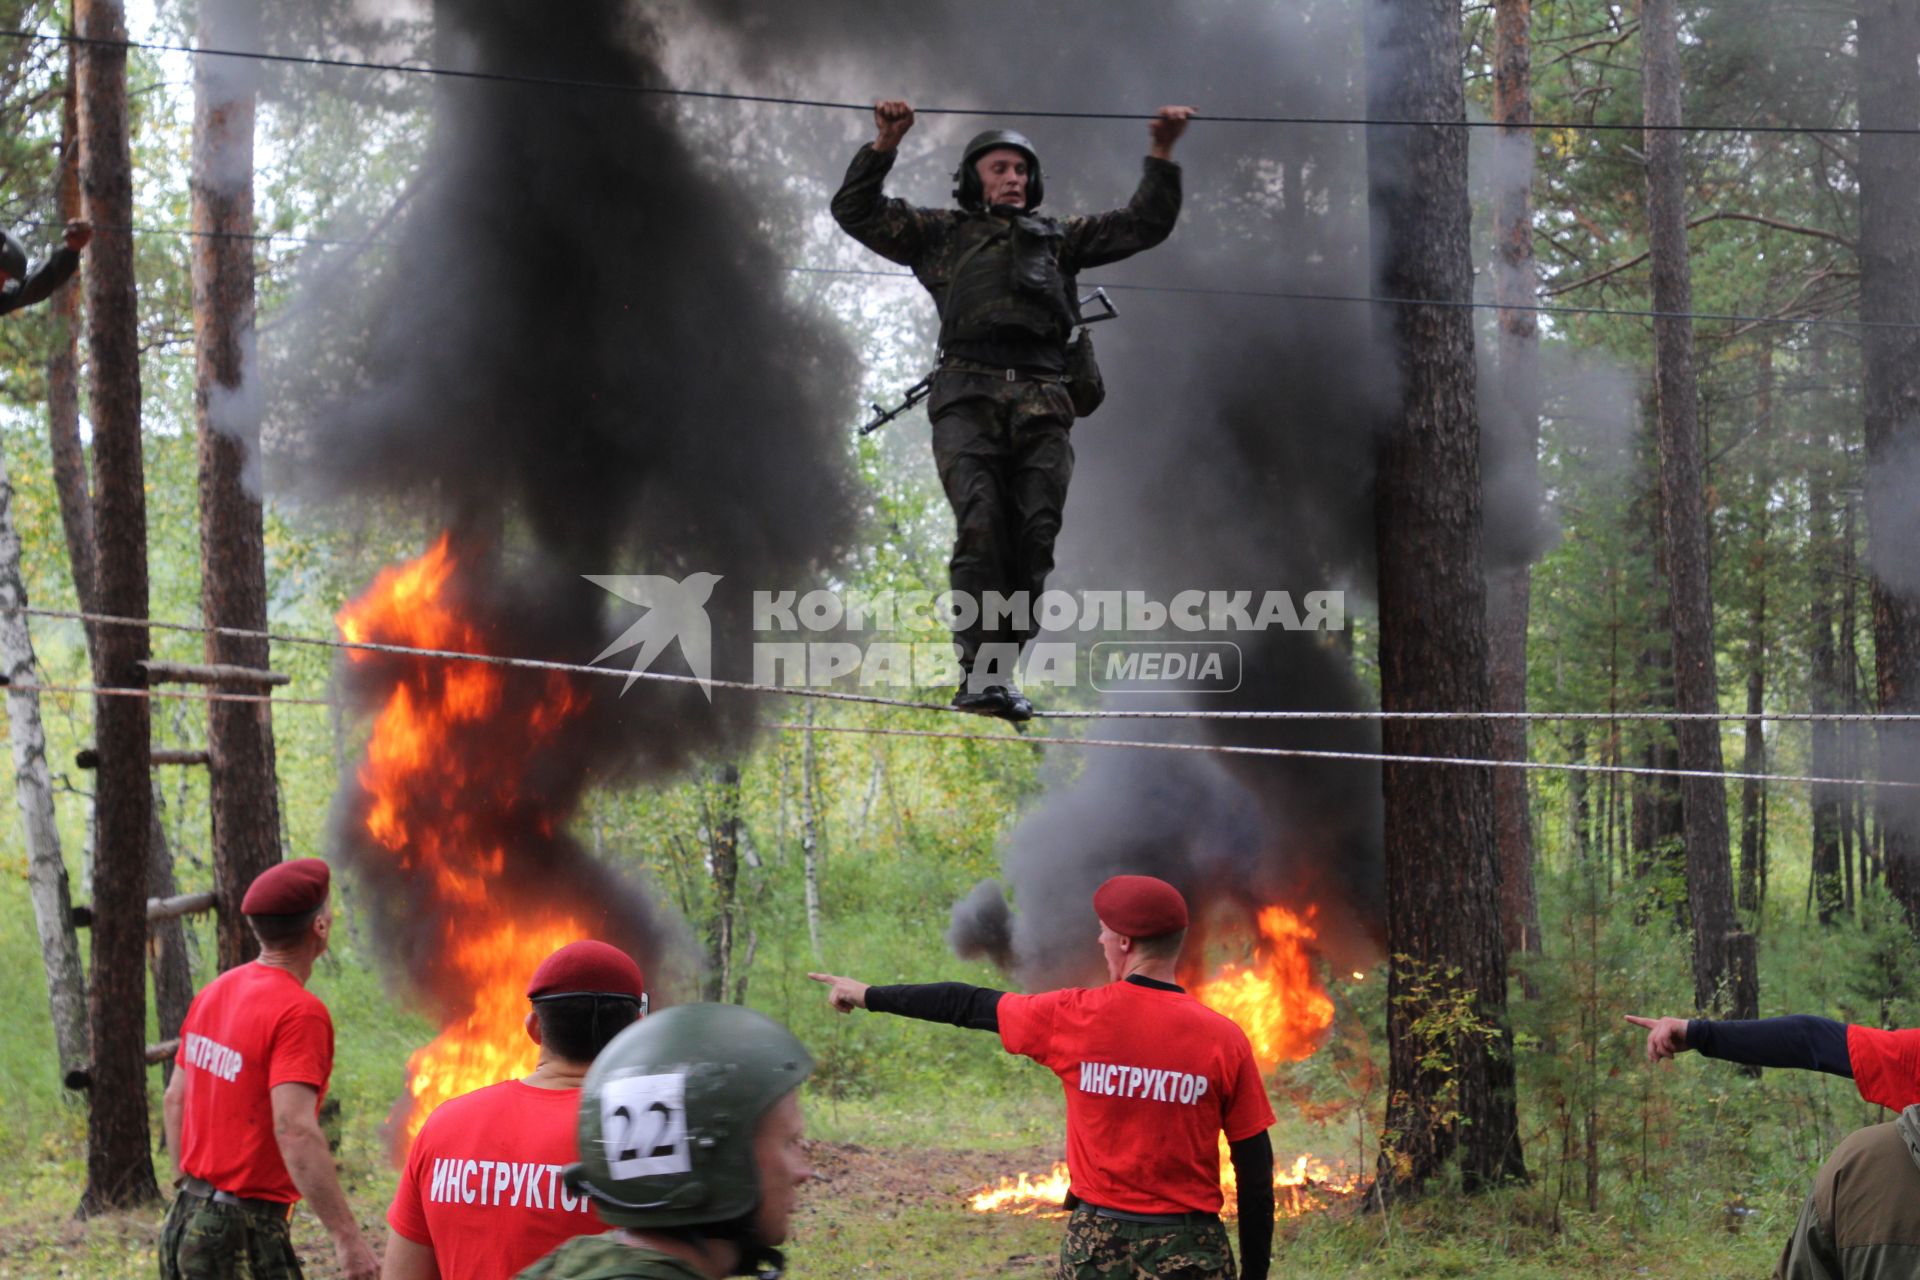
643, 1123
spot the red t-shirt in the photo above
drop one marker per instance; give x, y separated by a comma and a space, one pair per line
251, 1028
1886, 1065
1152, 1078
482, 1186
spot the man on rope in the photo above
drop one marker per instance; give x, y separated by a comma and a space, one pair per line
1003, 279
242, 1109
1152, 1078
1883, 1065
481, 1196
21, 287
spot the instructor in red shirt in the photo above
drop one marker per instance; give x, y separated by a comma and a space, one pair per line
1152, 1078
482, 1195
242, 1109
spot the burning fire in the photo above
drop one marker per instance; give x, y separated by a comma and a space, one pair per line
1299, 1188
1277, 1000
433, 800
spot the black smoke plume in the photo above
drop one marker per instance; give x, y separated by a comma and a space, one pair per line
581, 360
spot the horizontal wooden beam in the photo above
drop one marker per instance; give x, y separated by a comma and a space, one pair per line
210, 673
89, 758
182, 904
158, 909
81, 1078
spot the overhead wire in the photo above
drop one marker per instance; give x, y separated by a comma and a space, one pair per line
829, 104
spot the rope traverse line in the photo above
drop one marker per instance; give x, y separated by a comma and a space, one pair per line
1538, 766
828, 104
1371, 756
1549, 309
747, 686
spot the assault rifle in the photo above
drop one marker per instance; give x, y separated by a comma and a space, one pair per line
920, 390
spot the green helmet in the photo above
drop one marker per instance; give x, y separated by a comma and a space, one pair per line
669, 1110
966, 179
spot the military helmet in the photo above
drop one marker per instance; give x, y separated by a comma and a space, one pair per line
669, 1111
13, 257
966, 179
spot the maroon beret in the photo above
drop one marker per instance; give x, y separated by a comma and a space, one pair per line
290, 889
587, 966
1140, 906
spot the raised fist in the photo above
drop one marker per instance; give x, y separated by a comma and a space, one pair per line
892, 118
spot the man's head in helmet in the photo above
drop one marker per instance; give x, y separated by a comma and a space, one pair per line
690, 1132
999, 167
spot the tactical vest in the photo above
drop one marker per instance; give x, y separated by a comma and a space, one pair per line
1007, 283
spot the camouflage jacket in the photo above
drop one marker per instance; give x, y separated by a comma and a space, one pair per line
1862, 1221
603, 1257
931, 242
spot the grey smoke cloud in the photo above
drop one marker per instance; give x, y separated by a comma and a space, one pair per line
1235, 449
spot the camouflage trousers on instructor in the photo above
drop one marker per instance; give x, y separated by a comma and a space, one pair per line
1098, 1248
202, 1240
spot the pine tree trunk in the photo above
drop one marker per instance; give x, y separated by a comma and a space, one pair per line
233, 588
723, 859
1889, 52
1754, 746
119, 1166
33, 786
1822, 688
1509, 591
63, 374
1703, 800
809, 838
1443, 871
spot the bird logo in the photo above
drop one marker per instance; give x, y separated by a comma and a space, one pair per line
675, 610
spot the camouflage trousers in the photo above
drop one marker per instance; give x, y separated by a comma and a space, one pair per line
1005, 455
202, 1240
1098, 1248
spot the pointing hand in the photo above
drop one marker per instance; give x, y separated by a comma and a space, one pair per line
1665, 1036
846, 994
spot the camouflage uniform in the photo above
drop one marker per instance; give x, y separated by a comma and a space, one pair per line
1100, 1248
202, 1240
1002, 445
1862, 1220
606, 1258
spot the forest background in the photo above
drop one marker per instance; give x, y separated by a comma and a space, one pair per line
1696, 1169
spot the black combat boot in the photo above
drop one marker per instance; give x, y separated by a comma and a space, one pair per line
999, 700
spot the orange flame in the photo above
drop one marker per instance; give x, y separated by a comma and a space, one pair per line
421, 779
1300, 1187
1277, 1000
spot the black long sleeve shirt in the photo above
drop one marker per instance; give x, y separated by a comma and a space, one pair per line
976, 1008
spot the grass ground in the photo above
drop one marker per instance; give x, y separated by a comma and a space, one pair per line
1702, 1171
